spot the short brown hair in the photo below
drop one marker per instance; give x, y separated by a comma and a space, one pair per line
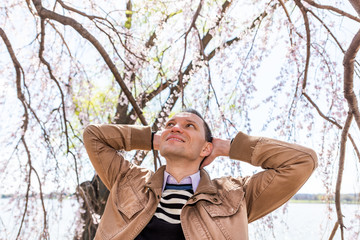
208, 134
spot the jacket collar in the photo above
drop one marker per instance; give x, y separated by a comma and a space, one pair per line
157, 179
205, 185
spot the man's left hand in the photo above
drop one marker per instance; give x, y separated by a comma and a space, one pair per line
221, 147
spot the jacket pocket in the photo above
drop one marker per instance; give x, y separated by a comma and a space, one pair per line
230, 204
128, 200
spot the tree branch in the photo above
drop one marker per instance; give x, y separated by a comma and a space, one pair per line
348, 63
47, 64
336, 226
289, 19
333, 121
148, 96
44, 13
308, 40
328, 30
192, 25
19, 72
333, 9
341, 170
206, 39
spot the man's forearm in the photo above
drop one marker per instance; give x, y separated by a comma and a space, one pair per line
266, 152
287, 166
103, 141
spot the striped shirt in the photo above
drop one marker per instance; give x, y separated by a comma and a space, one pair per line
165, 224
173, 199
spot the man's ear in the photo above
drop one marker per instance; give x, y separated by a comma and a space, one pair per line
207, 149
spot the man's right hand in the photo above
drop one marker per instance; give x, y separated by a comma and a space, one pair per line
156, 140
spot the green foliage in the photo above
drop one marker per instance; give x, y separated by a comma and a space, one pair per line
128, 23
128, 12
175, 13
94, 103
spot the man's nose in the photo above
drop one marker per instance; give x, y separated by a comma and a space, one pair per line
176, 128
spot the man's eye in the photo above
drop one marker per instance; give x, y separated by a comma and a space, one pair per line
169, 124
190, 125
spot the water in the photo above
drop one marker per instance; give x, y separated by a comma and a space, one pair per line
293, 221
63, 218
307, 221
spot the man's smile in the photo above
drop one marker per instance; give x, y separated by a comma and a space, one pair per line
174, 138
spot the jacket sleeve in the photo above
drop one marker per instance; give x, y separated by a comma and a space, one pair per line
102, 143
287, 167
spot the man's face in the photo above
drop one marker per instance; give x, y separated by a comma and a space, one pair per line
184, 137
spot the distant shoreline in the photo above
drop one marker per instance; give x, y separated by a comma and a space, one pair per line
322, 202
350, 198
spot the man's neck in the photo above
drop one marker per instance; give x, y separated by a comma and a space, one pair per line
180, 171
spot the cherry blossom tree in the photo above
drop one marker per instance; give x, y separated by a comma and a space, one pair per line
65, 64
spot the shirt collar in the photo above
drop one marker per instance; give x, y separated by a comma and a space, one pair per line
193, 179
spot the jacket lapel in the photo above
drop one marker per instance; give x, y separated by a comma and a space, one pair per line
206, 185
155, 182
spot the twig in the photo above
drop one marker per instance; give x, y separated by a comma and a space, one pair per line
328, 30
62, 38
47, 64
333, 9
289, 19
71, 9
192, 25
332, 121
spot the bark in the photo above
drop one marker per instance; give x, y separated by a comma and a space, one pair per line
308, 41
348, 62
356, 5
336, 226
340, 172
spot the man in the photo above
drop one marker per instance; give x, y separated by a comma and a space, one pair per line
179, 201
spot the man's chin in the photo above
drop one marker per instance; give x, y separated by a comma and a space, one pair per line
172, 152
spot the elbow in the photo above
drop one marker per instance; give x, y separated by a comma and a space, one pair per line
88, 129
307, 165
313, 159
88, 133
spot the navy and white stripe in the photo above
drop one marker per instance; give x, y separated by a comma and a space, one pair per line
173, 199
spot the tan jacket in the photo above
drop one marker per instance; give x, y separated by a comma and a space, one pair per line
219, 209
